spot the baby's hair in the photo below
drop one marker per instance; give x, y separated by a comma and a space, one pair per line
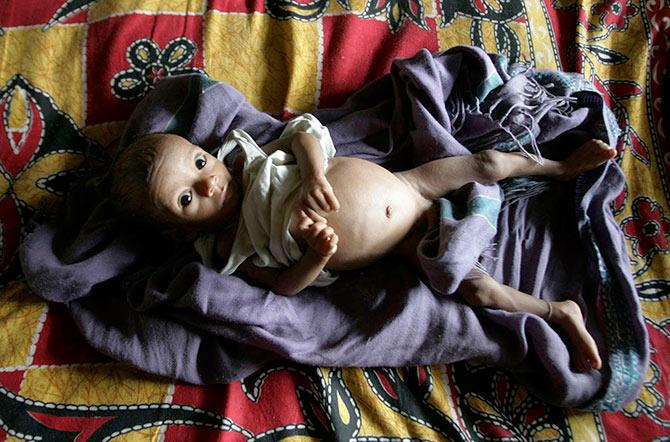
130, 176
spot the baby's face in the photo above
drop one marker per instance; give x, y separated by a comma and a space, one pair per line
193, 187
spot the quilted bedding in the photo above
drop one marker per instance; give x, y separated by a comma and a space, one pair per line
71, 73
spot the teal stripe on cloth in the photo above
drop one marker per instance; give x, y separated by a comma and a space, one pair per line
494, 80
485, 87
484, 206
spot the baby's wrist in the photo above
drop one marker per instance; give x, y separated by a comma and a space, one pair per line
314, 177
319, 257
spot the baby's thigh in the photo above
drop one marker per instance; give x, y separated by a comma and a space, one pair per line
436, 178
414, 192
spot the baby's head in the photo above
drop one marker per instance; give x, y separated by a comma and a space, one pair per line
163, 180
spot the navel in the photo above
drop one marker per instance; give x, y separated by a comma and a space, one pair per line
389, 211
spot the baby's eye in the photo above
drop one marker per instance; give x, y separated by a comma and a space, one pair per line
200, 161
185, 199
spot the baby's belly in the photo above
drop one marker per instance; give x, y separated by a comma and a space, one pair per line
377, 211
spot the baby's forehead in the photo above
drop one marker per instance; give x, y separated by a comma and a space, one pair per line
171, 161
166, 140
172, 148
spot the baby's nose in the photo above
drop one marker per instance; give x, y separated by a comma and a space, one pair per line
207, 185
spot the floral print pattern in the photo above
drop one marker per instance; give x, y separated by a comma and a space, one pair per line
509, 412
149, 64
614, 14
648, 228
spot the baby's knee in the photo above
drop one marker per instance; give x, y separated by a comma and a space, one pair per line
490, 166
477, 292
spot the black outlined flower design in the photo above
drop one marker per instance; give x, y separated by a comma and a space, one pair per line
149, 64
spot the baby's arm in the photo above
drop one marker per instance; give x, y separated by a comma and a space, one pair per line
317, 194
288, 281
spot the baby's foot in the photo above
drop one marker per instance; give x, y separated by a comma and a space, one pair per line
588, 156
568, 316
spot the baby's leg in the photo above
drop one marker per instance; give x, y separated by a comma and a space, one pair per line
487, 292
439, 177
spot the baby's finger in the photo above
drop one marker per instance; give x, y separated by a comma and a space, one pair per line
304, 221
310, 202
326, 232
314, 215
330, 245
321, 201
317, 228
316, 202
332, 201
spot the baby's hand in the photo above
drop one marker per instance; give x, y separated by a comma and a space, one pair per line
319, 236
317, 194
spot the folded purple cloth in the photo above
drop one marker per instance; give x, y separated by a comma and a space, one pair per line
142, 301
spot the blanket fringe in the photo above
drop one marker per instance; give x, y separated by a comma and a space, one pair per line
518, 124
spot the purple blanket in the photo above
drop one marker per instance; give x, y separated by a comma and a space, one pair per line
152, 304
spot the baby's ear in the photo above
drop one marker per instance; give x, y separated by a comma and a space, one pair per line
179, 234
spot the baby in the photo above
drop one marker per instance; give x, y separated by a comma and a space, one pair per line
286, 214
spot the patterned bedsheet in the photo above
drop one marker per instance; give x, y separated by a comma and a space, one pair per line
72, 70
